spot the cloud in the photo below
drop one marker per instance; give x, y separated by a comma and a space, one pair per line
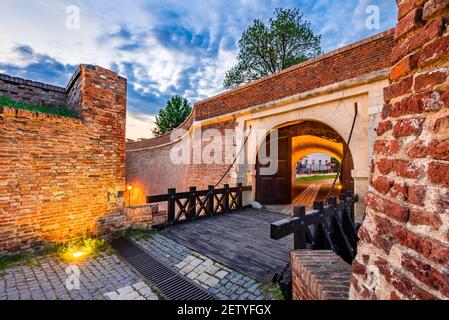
139, 126
38, 67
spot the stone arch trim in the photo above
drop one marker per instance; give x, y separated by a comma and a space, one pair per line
300, 129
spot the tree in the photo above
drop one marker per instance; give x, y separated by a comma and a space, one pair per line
172, 116
286, 40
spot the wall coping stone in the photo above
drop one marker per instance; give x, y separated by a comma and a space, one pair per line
320, 274
32, 83
6, 111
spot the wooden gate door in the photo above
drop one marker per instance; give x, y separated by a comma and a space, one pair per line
346, 174
277, 188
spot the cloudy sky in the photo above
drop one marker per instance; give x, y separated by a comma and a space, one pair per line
163, 47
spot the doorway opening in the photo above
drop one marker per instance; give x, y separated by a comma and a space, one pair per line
313, 178
310, 154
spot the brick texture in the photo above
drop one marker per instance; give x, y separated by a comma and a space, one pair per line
320, 275
63, 177
404, 248
32, 92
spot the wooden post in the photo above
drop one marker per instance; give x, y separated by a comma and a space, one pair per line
171, 205
350, 205
191, 208
239, 196
210, 201
300, 235
332, 201
320, 232
226, 199
319, 205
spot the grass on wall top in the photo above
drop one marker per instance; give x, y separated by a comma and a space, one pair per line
59, 111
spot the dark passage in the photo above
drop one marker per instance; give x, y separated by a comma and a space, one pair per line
239, 240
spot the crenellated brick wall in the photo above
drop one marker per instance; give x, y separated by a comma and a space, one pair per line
404, 248
32, 92
63, 177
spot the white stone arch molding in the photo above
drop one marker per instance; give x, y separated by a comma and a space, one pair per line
255, 141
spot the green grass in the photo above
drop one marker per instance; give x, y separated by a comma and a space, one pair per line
272, 291
24, 258
60, 111
91, 247
315, 178
136, 234
64, 251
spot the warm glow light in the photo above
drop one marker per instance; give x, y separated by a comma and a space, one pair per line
130, 188
78, 254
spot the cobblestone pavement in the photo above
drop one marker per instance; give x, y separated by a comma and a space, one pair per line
138, 291
107, 277
219, 280
49, 278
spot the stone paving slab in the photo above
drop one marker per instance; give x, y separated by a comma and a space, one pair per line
49, 278
106, 276
219, 280
138, 291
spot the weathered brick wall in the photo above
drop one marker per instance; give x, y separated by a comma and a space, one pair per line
404, 248
150, 170
319, 275
142, 217
350, 62
62, 177
32, 92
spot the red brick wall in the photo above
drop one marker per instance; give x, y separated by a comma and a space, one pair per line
349, 62
61, 177
150, 171
404, 248
319, 275
32, 92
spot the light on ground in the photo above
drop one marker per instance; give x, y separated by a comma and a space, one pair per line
78, 254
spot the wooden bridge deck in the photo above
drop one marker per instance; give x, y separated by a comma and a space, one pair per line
239, 240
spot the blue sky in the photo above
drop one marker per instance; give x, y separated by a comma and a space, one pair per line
163, 47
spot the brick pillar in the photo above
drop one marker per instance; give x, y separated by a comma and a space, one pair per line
404, 247
99, 96
319, 275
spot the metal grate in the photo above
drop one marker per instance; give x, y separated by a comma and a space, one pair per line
170, 284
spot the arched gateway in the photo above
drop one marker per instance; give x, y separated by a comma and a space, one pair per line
294, 141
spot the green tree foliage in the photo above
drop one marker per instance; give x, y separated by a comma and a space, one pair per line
172, 116
265, 49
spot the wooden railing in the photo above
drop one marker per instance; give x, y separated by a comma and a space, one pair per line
196, 204
330, 227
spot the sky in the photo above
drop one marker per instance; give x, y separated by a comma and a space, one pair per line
163, 48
